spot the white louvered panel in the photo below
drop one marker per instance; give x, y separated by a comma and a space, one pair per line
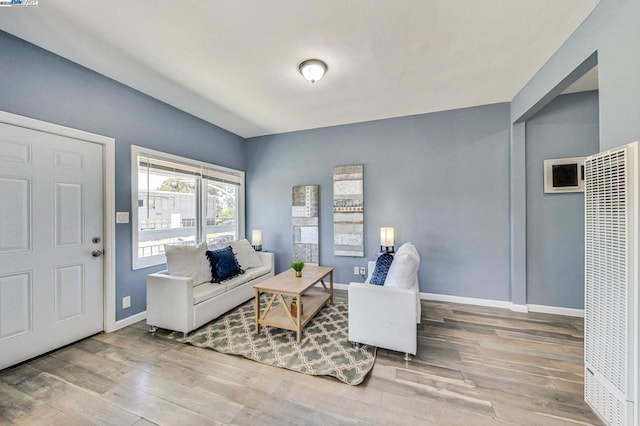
610, 229
612, 410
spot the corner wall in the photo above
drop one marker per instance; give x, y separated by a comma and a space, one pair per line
440, 179
567, 127
38, 84
610, 37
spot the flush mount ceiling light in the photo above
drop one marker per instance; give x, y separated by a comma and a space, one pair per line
312, 69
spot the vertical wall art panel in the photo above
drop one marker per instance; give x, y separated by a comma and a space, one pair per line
348, 210
304, 212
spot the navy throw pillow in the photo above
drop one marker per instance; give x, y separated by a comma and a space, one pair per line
223, 264
382, 268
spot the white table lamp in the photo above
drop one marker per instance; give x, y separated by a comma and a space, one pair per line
256, 239
387, 239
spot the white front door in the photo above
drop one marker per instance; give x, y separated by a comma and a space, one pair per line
51, 241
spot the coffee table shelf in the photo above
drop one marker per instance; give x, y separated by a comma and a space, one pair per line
283, 288
277, 316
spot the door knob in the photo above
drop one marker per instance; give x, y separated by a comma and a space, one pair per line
96, 253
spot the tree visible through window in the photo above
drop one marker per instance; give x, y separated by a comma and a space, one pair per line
182, 202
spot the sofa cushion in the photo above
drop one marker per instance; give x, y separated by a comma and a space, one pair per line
223, 264
258, 272
206, 291
246, 255
403, 269
188, 261
382, 268
236, 281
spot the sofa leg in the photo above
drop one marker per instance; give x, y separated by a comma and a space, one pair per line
356, 345
185, 335
407, 356
153, 329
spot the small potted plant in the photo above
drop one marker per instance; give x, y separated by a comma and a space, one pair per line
297, 266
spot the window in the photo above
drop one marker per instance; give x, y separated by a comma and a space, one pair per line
176, 200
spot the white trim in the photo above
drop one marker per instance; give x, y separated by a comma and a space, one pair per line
109, 201
466, 300
141, 263
501, 304
557, 310
338, 286
125, 322
515, 307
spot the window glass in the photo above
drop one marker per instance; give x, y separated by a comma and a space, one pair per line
181, 201
221, 224
158, 224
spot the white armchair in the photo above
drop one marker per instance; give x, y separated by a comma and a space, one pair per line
385, 316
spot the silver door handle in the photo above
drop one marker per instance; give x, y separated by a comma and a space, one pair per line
97, 253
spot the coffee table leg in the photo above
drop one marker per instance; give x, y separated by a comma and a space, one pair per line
257, 309
331, 288
299, 318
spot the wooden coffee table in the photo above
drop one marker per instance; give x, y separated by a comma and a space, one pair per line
287, 285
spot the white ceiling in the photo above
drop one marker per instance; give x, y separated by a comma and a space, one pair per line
234, 62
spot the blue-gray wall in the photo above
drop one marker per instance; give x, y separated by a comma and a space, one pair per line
38, 84
567, 127
609, 36
441, 180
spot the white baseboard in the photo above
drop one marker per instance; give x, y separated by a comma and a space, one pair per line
503, 304
127, 321
515, 307
557, 310
340, 286
466, 300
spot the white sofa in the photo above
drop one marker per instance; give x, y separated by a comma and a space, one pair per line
180, 304
383, 316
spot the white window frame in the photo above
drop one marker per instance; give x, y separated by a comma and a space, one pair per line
212, 169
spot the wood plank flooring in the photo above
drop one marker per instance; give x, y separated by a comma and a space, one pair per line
475, 366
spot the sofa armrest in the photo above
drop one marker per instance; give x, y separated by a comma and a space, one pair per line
267, 259
170, 301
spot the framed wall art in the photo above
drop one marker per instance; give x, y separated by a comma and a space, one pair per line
348, 210
304, 217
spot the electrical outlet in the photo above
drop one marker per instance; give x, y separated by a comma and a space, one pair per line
363, 270
356, 270
126, 302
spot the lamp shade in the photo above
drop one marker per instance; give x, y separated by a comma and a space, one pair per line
312, 69
256, 237
387, 237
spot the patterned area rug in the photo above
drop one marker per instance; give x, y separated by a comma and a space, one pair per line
325, 349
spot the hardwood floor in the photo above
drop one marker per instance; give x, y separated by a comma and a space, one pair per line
475, 366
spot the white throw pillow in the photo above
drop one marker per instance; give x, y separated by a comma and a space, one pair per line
403, 269
188, 261
408, 248
245, 254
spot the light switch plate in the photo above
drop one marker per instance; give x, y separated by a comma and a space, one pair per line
122, 217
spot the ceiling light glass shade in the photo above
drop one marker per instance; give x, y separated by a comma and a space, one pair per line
312, 69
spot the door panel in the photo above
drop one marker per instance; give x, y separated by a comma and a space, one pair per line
15, 211
15, 305
51, 287
69, 292
69, 214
